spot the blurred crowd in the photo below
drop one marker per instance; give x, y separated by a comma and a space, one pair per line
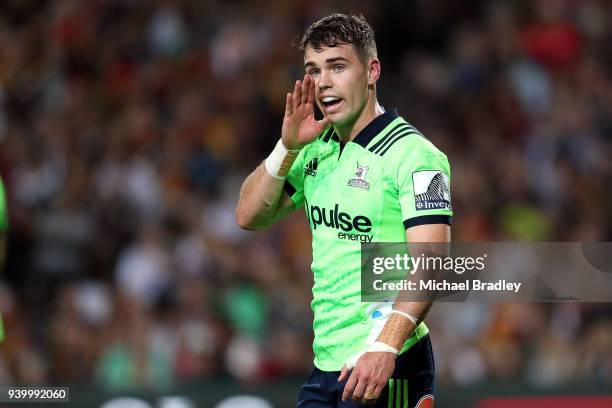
127, 127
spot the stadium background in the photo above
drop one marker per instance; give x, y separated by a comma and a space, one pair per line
126, 128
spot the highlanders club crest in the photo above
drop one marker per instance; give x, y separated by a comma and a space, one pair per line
359, 180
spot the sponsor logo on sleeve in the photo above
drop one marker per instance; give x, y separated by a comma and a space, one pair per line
431, 190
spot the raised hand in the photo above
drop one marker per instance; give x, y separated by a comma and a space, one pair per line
299, 125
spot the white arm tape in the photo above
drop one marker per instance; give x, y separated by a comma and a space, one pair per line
276, 164
406, 315
377, 346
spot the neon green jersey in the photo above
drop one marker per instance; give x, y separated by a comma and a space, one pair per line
387, 179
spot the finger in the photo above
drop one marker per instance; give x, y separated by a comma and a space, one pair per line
289, 105
379, 388
359, 390
311, 91
372, 392
297, 94
344, 373
305, 87
350, 386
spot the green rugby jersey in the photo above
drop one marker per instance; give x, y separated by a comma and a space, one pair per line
387, 179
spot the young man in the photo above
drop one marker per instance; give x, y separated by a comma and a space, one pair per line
363, 175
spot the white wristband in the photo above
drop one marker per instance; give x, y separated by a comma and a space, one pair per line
377, 346
280, 160
406, 315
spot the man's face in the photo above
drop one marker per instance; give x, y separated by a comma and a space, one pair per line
341, 82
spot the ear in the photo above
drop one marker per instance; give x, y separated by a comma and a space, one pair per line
373, 71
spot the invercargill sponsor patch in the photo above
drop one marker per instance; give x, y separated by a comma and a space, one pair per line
431, 190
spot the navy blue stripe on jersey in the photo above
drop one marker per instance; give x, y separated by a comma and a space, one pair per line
386, 149
329, 135
397, 128
394, 138
374, 128
428, 219
323, 135
289, 189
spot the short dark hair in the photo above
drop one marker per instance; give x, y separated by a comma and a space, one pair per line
338, 29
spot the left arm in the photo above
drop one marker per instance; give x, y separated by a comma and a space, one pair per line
373, 369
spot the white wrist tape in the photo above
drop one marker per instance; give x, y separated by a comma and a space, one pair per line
377, 346
280, 160
406, 315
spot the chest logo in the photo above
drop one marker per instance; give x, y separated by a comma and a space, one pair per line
359, 180
311, 167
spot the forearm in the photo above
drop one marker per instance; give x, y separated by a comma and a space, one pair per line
424, 239
260, 203
400, 326
259, 198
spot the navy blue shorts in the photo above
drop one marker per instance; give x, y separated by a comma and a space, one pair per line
410, 386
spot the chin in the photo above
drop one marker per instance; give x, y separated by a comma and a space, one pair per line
341, 121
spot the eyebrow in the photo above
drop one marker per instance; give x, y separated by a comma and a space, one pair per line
327, 61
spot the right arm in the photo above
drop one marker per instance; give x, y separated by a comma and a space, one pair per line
262, 201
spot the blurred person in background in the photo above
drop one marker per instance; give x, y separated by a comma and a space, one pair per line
3, 241
370, 176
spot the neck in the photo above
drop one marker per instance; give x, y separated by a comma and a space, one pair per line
370, 111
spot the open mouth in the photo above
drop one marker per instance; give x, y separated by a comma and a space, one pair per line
330, 102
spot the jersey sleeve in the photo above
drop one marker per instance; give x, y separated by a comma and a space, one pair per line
423, 183
294, 183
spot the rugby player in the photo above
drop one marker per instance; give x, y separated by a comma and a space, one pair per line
363, 174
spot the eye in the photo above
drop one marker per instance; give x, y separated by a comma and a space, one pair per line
338, 68
314, 72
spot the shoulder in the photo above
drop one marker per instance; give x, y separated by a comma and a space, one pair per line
320, 146
410, 144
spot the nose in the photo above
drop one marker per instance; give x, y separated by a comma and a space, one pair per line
324, 81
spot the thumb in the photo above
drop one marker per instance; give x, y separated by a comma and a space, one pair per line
343, 373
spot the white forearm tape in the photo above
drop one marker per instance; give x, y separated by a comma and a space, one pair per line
377, 346
406, 315
280, 160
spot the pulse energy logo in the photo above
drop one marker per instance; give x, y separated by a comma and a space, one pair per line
350, 228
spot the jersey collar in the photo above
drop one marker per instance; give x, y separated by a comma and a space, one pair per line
375, 127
